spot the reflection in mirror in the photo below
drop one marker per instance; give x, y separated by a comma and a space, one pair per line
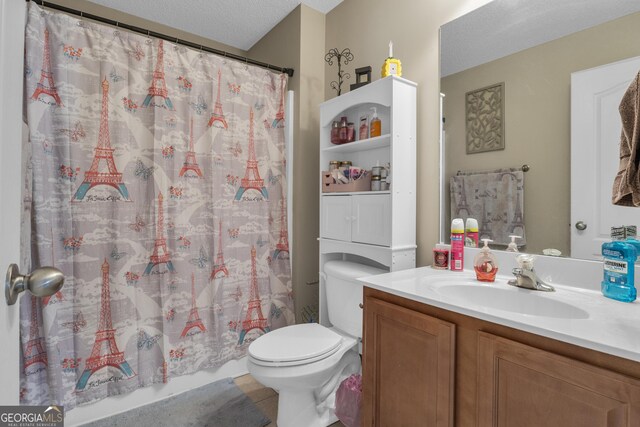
532, 48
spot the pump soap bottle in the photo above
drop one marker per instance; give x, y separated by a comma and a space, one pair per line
512, 247
375, 128
485, 264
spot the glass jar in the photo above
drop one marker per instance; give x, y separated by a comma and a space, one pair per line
345, 168
375, 183
335, 137
333, 165
346, 163
343, 130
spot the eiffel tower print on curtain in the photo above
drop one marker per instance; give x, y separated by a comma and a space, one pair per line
252, 179
217, 117
160, 253
34, 351
105, 350
46, 85
103, 156
254, 318
190, 162
158, 86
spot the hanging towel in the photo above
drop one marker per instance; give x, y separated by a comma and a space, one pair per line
626, 186
495, 198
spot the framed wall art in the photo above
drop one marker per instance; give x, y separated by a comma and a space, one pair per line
484, 109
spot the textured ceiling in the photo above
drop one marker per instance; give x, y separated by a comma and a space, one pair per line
503, 27
237, 23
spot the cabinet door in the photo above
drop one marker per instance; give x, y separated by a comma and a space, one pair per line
372, 224
524, 386
336, 218
408, 363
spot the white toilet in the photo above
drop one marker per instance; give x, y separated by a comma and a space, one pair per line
305, 363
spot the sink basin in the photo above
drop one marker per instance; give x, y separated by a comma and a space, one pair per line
515, 300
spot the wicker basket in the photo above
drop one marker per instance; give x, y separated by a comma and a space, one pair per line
361, 184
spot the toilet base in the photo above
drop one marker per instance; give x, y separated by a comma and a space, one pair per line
315, 408
298, 408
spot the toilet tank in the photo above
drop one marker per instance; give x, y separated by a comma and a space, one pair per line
344, 294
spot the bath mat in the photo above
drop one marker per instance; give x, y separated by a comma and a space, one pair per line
219, 404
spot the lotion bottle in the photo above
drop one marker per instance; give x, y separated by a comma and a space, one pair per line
375, 128
457, 245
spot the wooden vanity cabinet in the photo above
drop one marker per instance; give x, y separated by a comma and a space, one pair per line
523, 386
408, 364
425, 366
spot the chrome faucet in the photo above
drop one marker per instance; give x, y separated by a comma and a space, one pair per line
526, 277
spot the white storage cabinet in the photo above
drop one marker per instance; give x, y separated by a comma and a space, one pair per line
377, 227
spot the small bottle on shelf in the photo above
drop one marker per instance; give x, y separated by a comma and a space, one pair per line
376, 125
364, 128
351, 132
342, 130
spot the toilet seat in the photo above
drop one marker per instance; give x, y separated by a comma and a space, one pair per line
295, 345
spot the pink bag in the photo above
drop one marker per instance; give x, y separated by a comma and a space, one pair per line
348, 400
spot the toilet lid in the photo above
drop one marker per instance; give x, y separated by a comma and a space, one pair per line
295, 345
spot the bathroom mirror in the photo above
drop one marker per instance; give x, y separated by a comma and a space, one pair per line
531, 47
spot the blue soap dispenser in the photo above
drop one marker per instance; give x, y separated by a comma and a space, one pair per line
619, 270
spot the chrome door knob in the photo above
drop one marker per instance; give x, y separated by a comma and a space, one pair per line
41, 282
580, 225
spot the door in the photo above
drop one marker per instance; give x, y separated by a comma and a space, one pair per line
12, 23
372, 224
524, 386
408, 363
336, 218
595, 139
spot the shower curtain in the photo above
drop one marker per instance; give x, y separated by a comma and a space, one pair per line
155, 180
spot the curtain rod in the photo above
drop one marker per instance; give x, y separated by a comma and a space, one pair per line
176, 40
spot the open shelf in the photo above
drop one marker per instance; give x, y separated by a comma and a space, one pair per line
362, 145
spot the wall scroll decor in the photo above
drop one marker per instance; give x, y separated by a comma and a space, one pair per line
345, 55
485, 119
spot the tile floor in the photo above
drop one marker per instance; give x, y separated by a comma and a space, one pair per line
265, 398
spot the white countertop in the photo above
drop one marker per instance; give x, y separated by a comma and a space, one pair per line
574, 315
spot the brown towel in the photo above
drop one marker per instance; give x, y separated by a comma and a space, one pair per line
626, 186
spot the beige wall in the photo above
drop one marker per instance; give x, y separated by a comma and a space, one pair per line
298, 42
537, 119
366, 26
